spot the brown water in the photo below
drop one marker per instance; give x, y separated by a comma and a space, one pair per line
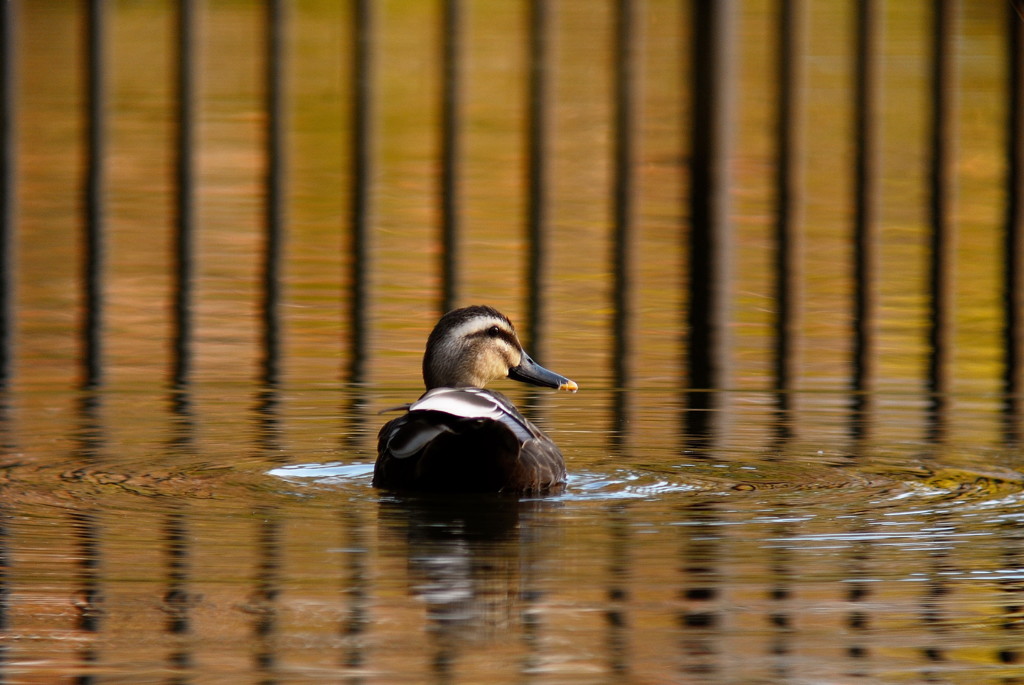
227, 532
232, 540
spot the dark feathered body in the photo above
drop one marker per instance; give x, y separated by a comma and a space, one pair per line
437, 451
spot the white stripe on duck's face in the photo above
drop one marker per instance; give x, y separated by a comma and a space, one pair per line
476, 326
471, 353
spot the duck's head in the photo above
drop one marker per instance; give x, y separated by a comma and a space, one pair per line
472, 346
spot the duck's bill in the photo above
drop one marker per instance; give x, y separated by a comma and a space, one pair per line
533, 373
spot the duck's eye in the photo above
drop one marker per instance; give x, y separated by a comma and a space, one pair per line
494, 331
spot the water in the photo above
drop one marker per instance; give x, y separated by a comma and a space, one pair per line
151, 539
225, 530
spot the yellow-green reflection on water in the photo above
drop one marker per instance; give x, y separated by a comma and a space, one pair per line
226, 532
230, 538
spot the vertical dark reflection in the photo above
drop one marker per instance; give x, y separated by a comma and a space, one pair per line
94, 41
184, 180
5, 589
940, 539
267, 580
940, 205
8, 185
178, 600
857, 594
89, 600
268, 421
934, 614
357, 619
357, 423
531, 595
617, 614
537, 136
266, 584
701, 580
354, 403
538, 126
623, 202
1011, 556
274, 187
451, 44
788, 276
361, 176
267, 587
1013, 251
865, 228
90, 441
7, 512
710, 234
784, 573
780, 594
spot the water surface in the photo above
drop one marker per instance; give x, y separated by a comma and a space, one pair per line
223, 529
231, 542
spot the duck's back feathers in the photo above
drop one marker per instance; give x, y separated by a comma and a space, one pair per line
466, 440
477, 403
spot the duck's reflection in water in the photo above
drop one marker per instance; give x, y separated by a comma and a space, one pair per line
473, 561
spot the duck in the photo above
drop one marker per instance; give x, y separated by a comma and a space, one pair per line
459, 436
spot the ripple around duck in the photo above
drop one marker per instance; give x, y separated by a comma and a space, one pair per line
331, 473
586, 485
622, 484
582, 485
883, 490
614, 484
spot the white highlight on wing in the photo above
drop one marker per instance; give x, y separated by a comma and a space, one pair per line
468, 403
407, 443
